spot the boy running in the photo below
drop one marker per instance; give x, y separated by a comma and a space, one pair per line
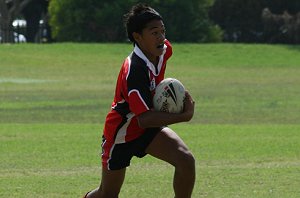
132, 128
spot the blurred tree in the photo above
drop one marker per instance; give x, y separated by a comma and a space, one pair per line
101, 20
279, 6
85, 20
31, 10
281, 28
188, 21
241, 20
33, 13
9, 9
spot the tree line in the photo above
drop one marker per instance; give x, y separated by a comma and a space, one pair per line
101, 20
32, 11
251, 21
265, 21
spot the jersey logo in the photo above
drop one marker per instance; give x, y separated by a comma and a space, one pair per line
170, 91
152, 84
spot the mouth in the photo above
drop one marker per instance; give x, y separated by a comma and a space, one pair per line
161, 46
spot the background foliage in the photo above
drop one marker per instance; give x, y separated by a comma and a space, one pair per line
101, 20
251, 21
242, 20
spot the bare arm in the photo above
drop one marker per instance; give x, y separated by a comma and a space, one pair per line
157, 119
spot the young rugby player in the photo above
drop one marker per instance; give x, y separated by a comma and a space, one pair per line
132, 128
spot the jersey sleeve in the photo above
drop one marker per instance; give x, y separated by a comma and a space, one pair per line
139, 94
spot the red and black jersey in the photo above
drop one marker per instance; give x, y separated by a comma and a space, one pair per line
136, 82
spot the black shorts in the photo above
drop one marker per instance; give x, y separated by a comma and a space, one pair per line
118, 156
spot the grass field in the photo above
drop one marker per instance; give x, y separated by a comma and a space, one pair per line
245, 134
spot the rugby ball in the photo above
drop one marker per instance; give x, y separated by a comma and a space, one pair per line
169, 96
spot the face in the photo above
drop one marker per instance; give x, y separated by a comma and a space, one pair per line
151, 40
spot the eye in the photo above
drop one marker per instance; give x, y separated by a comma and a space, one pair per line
155, 33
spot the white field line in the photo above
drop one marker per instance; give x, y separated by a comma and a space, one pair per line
23, 80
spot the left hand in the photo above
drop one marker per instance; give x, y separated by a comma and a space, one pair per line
189, 106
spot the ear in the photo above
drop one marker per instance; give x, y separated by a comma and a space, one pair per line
136, 36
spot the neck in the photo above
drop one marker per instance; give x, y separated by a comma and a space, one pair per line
153, 59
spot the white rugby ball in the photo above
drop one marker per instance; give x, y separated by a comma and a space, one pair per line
169, 96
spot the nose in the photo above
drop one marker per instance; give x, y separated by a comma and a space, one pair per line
162, 37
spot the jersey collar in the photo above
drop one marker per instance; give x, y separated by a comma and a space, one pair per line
149, 64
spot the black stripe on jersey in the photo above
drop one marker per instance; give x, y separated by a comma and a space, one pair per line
138, 79
123, 110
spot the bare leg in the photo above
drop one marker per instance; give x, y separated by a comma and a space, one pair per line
111, 184
169, 147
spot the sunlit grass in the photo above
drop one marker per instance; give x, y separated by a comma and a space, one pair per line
244, 135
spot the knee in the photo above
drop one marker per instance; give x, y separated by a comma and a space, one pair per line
186, 161
190, 160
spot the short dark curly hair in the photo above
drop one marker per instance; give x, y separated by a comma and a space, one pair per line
138, 17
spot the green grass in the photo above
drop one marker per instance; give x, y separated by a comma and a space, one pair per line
244, 135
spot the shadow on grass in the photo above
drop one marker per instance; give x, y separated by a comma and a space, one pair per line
294, 47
